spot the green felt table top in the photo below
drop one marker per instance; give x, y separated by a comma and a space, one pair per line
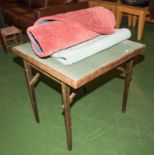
86, 67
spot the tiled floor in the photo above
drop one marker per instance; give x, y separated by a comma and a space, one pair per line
99, 127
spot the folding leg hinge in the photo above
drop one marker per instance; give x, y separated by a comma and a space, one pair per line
122, 69
34, 79
71, 98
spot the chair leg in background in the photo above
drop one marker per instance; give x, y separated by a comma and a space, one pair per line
141, 25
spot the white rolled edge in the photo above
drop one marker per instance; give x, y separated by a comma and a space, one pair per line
81, 51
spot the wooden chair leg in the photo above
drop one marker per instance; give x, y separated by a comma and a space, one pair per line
66, 103
129, 20
141, 26
4, 43
119, 18
29, 77
134, 21
15, 39
126, 85
21, 37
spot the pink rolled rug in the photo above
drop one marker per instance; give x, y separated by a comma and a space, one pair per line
53, 33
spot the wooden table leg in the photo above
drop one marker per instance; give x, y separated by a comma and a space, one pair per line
126, 85
29, 77
66, 106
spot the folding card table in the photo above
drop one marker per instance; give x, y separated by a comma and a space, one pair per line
78, 74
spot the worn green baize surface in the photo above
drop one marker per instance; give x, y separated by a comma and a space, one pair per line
82, 68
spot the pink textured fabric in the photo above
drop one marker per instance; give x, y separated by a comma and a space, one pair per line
53, 33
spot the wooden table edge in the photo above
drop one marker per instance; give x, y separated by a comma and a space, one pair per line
76, 84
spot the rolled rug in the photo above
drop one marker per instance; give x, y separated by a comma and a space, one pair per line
91, 47
53, 33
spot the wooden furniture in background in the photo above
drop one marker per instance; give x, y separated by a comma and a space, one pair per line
132, 12
135, 12
111, 5
77, 75
10, 36
107, 4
